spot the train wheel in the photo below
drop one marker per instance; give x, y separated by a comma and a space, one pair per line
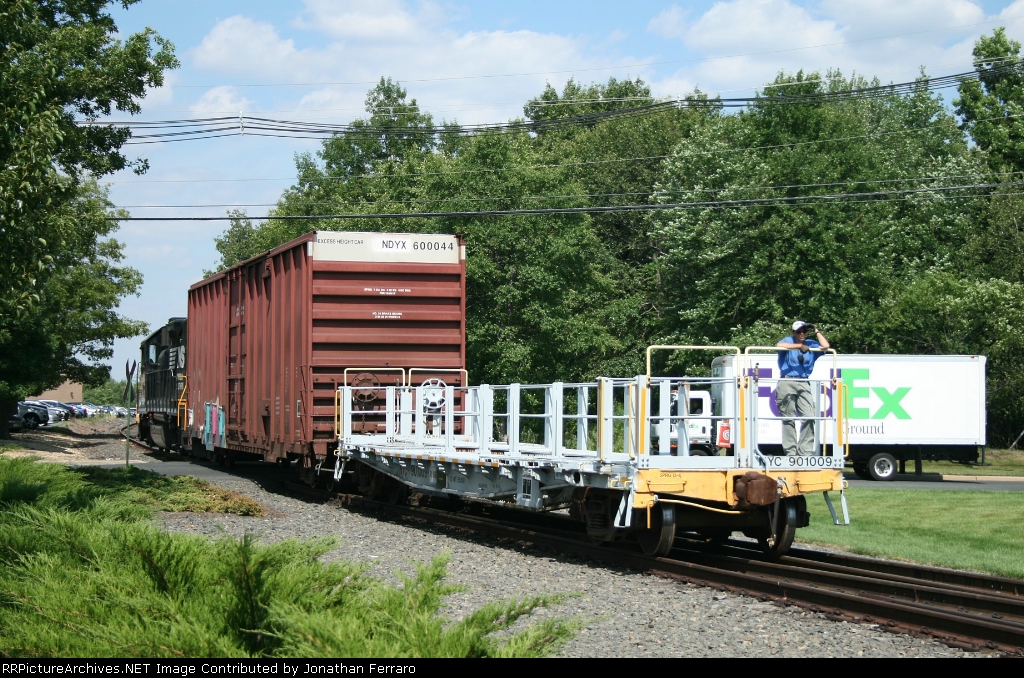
785, 531
397, 493
370, 482
658, 539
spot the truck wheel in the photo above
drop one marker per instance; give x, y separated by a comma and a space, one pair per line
882, 466
861, 469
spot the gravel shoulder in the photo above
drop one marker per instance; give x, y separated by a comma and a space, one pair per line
624, 613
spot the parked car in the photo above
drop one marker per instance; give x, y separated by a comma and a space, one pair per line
34, 416
55, 411
87, 409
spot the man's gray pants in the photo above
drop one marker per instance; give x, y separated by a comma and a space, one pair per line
793, 397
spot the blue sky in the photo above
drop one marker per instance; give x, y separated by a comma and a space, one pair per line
277, 58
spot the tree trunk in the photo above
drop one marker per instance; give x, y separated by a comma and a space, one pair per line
7, 407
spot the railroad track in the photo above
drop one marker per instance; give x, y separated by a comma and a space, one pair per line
960, 609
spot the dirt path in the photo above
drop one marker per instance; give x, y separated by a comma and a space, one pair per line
81, 441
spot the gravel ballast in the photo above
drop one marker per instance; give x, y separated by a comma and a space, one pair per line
626, 613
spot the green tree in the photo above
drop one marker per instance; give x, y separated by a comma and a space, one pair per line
109, 393
733, 269
62, 64
72, 326
992, 106
992, 112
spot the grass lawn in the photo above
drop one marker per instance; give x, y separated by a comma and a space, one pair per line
1003, 463
83, 573
979, 531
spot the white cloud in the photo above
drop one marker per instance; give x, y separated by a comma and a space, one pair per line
745, 43
866, 18
221, 100
240, 46
756, 25
439, 65
670, 23
379, 20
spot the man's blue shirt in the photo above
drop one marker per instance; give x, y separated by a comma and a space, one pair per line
790, 363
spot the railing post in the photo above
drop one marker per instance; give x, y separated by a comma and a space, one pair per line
553, 425
664, 423
449, 417
582, 406
513, 419
389, 415
421, 417
486, 395
406, 415
605, 422
346, 413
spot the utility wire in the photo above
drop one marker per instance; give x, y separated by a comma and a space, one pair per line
795, 200
653, 194
182, 129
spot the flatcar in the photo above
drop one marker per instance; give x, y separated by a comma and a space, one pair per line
346, 353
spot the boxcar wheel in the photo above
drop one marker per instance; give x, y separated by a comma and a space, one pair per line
882, 466
658, 539
779, 544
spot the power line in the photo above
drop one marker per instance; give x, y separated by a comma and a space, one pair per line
416, 107
184, 129
801, 200
660, 192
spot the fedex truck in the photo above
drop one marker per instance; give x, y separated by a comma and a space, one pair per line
897, 408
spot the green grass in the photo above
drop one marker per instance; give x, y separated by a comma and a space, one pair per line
979, 531
56, 486
83, 573
1003, 463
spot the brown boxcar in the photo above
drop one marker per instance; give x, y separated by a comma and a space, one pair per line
272, 338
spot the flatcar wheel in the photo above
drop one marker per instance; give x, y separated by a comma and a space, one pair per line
397, 493
779, 544
658, 539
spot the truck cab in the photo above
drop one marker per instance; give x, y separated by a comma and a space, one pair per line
695, 422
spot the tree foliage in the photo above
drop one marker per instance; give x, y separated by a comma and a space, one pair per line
62, 64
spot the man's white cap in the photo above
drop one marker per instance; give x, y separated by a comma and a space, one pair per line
798, 324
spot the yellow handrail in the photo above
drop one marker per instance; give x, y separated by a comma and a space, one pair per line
182, 402
672, 347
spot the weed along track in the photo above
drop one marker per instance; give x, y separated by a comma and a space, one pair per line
960, 609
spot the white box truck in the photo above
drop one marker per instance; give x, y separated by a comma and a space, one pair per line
898, 408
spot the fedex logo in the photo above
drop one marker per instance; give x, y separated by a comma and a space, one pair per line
858, 396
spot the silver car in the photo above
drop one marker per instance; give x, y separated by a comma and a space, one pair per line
34, 416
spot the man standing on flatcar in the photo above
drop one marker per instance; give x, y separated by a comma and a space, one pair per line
793, 395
